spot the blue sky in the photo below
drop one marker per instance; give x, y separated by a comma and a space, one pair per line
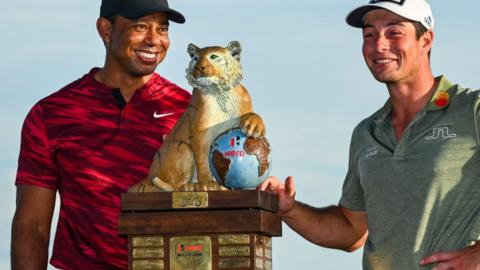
303, 68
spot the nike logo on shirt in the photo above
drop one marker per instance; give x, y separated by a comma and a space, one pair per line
160, 115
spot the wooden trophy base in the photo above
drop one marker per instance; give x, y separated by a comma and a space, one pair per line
200, 230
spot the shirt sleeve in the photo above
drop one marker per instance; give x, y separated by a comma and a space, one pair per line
352, 193
36, 165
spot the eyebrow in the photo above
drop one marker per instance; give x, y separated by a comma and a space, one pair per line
165, 22
399, 23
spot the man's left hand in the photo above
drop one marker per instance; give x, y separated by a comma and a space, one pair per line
465, 259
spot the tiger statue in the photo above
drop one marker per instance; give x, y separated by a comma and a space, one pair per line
219, 102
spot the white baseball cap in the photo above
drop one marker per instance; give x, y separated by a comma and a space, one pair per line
415, 10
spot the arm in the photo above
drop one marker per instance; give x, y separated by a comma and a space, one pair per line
332, 227
31, 227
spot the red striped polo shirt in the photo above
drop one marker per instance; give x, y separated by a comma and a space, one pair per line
83, 143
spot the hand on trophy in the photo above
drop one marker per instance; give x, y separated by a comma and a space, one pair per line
285, 191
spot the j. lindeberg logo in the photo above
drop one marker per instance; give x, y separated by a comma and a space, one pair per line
160, 115
440, 132
399, 2
371, 152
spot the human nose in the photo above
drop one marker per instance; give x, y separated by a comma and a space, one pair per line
153, 37
381, 43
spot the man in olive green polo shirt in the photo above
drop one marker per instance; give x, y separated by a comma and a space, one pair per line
411, 196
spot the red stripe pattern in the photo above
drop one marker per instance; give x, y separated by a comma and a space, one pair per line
80, 142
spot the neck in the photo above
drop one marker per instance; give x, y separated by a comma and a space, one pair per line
409, 97
127, 83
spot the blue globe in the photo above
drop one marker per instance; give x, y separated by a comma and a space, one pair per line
238, 161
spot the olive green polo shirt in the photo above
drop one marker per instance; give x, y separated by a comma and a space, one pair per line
421, 193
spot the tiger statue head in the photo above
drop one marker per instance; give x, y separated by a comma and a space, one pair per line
214, 69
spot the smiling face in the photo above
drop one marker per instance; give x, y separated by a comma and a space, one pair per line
391, 49
136, 47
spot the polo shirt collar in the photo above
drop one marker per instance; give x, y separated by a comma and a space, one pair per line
440, 100
147, 88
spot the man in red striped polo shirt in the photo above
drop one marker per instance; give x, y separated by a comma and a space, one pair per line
92, 140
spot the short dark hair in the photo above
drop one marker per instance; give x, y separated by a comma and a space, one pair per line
419, 29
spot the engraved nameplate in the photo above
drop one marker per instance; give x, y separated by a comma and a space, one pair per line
234, 263
147, 241
263, 241
234, 251
147, 265
229, 239
268, 242
259, 251
268, 265
268, 253
189, 200
259, 263
147, 253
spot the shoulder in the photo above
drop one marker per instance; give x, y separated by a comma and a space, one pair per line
367, 123
463, 92
360, 132
463, 98
57, 104
82, 86
455, 91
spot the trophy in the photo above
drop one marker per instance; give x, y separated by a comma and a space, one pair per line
198, 208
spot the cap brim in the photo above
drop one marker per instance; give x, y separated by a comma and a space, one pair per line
176, 16
173, 15
355, 18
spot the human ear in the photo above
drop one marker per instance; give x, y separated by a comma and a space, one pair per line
104, 28
427, 41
